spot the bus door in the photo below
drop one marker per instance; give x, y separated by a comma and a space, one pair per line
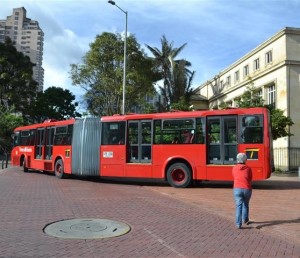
39, 144
222, 140
113, 149
37, 163
49, 140
139, 149
49, 143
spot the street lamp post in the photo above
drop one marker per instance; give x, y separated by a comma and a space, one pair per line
125, 55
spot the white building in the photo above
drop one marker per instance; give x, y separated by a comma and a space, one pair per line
28, 38
273, 68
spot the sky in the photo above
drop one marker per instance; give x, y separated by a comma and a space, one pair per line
217, 32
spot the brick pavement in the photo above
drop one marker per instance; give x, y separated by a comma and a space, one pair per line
274, 206
165, 222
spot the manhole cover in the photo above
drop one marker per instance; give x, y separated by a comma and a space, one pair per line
86, 228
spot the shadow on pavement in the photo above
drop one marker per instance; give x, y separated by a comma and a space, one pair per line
276, 184
274, 222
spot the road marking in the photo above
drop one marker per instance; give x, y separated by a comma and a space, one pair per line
163, 243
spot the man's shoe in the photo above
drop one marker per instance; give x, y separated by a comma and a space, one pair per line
247, 222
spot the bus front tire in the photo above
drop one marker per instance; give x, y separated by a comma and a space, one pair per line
59, 169
25, 168
179, 175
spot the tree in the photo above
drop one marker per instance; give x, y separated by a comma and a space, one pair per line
174, 73
17, 87
280, 122
250, 98
8, 122
54, 103
101, 74
181, 85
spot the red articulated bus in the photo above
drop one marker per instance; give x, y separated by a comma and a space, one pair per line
180, 147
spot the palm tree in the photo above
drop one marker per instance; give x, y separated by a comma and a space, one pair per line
181, 83
163, 60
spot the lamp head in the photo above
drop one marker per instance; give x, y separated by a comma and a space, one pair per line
111, 2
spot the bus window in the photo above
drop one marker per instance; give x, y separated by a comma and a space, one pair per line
230, 139
146, 140
214, 131
200, 130
68, 137
140, 140
63, 135
222, 137
170, 137
178, 131
157, 137
59, 135
113, 133
31, 139
39, 143
25, 135
214, 140
49, 142
16, 139
252, 129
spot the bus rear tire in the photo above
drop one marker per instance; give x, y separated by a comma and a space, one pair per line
59, 169
179, 175
25, 168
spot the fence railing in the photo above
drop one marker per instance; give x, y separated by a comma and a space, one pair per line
287, 159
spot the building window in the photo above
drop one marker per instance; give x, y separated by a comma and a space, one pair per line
237, 76
256, 64
228, 80
269, 57
221, 84
271, 95
246, 70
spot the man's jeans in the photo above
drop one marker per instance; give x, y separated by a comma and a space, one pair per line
242, 198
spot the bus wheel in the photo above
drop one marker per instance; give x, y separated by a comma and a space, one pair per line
179, 175
25, 168
59, 169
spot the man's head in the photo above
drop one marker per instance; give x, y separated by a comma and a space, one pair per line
241, 158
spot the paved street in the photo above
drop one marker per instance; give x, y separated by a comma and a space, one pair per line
164, 221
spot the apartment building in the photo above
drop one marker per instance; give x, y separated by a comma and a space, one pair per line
28, 38
273, 68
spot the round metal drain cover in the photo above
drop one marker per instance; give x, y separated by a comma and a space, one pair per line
86, 228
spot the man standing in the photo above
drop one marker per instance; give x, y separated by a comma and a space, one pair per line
242, 189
